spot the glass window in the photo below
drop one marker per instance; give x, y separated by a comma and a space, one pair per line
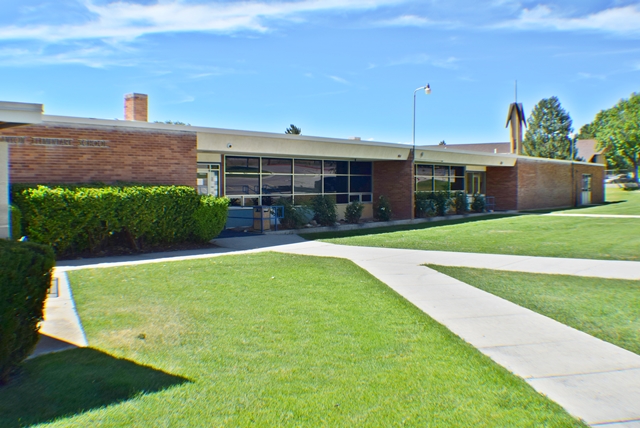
336, 167
441, 183
360, 168
242, 184
441, 171
308, 184
276, 184
424, 169
354, 198
424, 184
342, 199
366, 198
457, 183
304, 166
458, 171
302, 199
276, 166
242, 164
336, 184
359, 184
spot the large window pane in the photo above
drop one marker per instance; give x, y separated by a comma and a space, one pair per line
457, 171
308, 184
457, 183
361, 168
242, 164
242, 184
276, 166
342, 199
441, 183
337, 184
360, 184
424, 169
441, 171
280, 184
336, 167
305, 166
424, 184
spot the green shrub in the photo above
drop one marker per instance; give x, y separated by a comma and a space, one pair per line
75, 219
425, 204
293, 218
442, 200
382, 209
478, 204
325, 210
210, 217
460, 202
25, 277
16, 222
353, 212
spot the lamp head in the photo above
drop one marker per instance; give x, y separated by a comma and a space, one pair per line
427, 89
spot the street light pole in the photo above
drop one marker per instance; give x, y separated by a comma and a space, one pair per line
427, 91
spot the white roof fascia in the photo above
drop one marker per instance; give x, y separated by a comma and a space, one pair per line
20, 113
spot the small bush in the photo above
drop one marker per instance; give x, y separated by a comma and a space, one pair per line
293, 218
325, 210
382, 209
442, 200
25, 277
460, 203
478, 204
16, 222
353, 212
210, 217
425, 204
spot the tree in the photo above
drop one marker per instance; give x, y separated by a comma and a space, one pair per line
549, 131
293, 130
618, 130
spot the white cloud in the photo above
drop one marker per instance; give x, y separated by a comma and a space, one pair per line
414, 21
95, 57
583, 75
618, 20
421, 58
126, 20
339, 80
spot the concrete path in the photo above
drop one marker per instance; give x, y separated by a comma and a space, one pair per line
61, 328
592, 379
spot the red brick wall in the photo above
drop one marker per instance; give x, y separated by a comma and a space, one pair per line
79, 156
544, 184
502, 184
394, 179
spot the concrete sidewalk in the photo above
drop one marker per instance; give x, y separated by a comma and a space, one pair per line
592, 379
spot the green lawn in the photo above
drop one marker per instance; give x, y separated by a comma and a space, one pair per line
605, 308
619, 202
532, 234
266, 340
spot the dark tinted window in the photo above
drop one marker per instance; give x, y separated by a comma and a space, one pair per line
242, 184
304, 166
242, 164
276, 166
336, 167
360, 184
338, 184
361, 168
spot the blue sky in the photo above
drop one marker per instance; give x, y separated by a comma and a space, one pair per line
333, 68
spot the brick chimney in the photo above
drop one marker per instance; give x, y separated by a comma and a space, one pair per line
136, 107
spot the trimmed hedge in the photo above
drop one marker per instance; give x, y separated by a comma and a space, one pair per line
25, 277
16, 222
73, 219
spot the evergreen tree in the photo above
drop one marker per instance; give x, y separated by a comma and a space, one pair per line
293, 130
548, 135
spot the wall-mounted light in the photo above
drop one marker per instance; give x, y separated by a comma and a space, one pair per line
229, 145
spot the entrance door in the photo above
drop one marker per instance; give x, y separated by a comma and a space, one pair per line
208, 180
475, 183
586, 189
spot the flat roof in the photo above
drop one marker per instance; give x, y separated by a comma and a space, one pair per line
17, 114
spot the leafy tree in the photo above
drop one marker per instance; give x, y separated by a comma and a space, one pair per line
618, 130
549, 131
293, 130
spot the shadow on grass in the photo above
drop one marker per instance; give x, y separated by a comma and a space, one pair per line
389, 229
75, 381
